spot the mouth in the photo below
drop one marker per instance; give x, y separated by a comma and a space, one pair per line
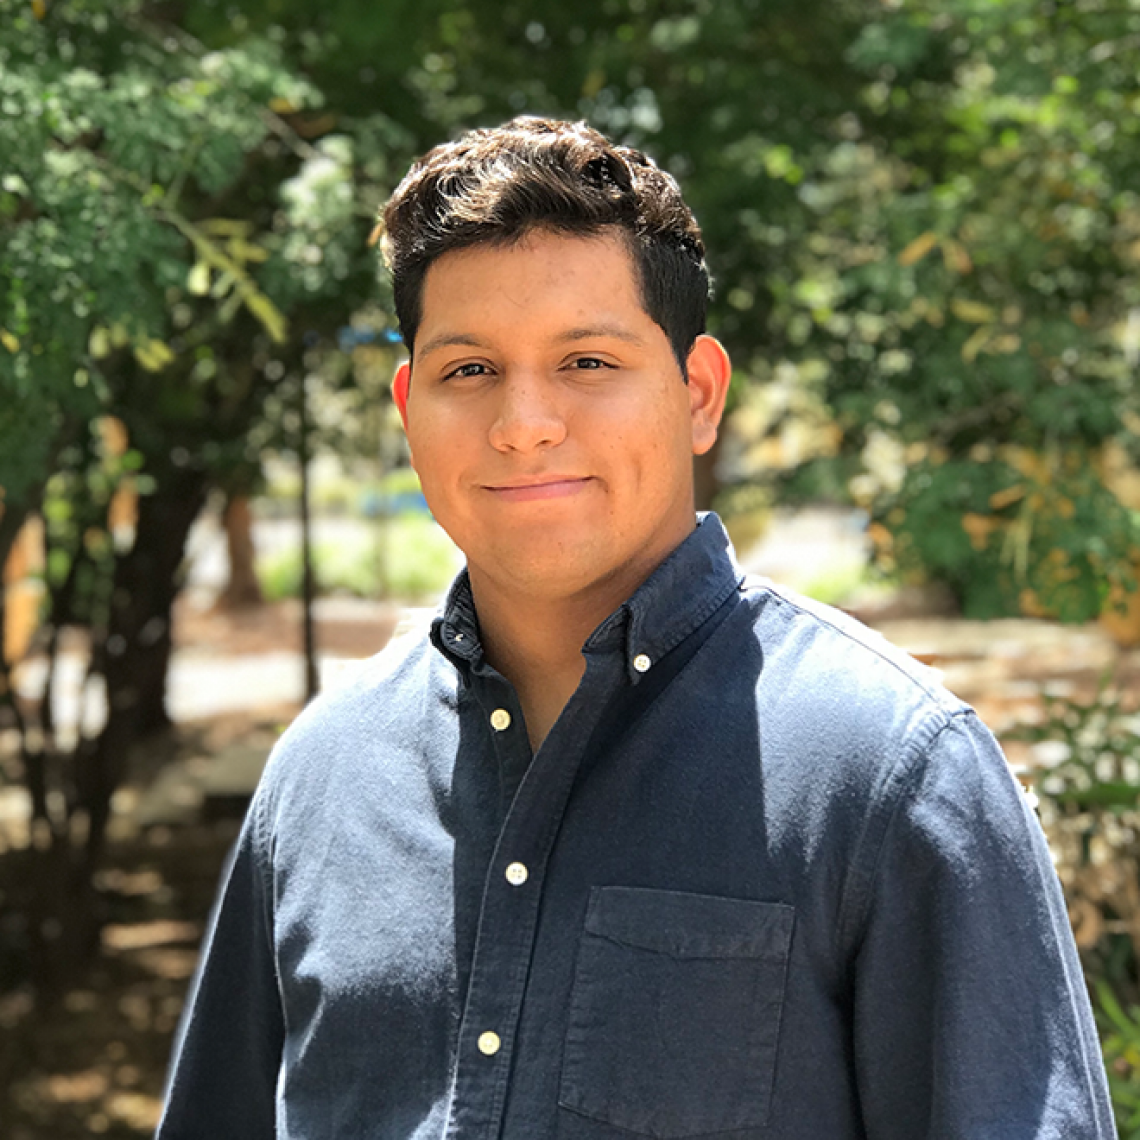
528, 490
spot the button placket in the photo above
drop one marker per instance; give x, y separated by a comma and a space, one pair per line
509, 917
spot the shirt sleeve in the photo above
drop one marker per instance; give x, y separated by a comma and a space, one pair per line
971, 1016
223, 1075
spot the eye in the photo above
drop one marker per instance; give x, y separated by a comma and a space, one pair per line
589, 363
465, 371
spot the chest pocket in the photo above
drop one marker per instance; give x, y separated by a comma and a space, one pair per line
675, 1012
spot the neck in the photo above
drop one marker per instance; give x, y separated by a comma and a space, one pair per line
535, 639
536, 643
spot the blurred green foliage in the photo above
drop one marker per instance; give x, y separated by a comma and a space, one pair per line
407, 558
1120, 1040
969, 286
116, 142
171, 249
920, 215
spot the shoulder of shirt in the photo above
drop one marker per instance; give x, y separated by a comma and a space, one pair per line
897, 721
364, 699
873, 724
784, 614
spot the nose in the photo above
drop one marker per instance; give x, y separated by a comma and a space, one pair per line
527, 416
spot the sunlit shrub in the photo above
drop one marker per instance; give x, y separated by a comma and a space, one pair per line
1087, 781
407, 558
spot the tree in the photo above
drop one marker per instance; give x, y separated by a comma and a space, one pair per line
967, 304
157, 216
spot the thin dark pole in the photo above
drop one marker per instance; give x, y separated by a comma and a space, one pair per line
308, 577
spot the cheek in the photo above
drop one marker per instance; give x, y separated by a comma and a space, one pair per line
436, 457
662, 436
435, 432
650, 462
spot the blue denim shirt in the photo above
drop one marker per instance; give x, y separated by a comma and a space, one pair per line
765, 878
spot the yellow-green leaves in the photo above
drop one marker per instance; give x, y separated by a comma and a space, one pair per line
973, 312
154, 355
104, 339
198, 279
955, 256
224, 245
990, 336
99, 343
918, 249
271, 317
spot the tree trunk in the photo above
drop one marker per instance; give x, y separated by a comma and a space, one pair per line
136, 651
13, 515
12, 520
243, 588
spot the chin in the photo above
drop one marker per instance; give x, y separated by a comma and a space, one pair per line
553, 580
550, 577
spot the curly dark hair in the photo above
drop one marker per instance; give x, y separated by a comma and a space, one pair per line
494, 186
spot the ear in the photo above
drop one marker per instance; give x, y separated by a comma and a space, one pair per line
709, 373
400, 383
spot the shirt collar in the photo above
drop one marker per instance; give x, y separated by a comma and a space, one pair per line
688, 586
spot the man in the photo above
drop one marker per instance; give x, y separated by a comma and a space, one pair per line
627, 845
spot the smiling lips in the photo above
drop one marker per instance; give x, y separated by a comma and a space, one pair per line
548, 488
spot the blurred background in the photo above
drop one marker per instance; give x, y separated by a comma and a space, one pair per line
924, 223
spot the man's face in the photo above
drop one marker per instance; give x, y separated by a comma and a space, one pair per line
548, 419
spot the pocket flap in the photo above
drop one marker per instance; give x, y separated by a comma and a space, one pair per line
690, 926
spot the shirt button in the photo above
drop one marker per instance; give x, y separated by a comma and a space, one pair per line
641, 663
500, 720
517, 874
489, 1043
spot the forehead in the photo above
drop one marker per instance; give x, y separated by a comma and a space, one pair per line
543, 278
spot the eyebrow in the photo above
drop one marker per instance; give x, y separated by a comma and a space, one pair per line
586, 332
591, 332
449, 340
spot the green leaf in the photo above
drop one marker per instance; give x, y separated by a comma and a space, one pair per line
198, 279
